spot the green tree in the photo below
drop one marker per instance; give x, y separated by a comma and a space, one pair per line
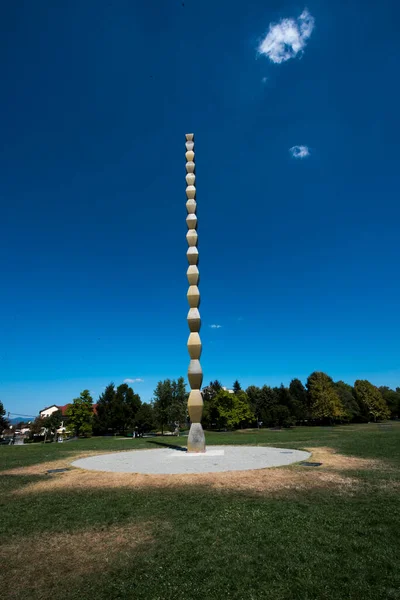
116, 409
372, 400
284, 398
277, 407
80, 414
229, 410
211, 390
254, 395
104, 419
223, 407
300, 404
210, 414
162, 400
126, 406
52, 423
237, 387
178, 409
211, 417
324, 400
281, 416
170, 403
352, 409
392, 399
145, 421
216, 408
243, 415
267, 402
36, 427
4, 423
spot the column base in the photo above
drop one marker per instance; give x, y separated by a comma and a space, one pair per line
196, 440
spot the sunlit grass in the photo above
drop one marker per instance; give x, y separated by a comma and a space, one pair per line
189, 542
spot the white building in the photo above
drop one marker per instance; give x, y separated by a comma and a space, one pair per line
49, 410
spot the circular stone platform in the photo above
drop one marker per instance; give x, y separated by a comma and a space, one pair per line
168, 461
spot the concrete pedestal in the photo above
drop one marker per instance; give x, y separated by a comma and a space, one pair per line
196, 440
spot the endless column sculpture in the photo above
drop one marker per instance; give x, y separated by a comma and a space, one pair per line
196, 439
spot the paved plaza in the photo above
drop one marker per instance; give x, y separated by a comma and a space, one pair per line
171, 461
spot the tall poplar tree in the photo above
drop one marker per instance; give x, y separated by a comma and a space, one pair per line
324, 401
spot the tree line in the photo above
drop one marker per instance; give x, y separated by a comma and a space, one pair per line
119, 410
321, 401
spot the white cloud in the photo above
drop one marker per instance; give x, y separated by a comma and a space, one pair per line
215, 326
264, 79
299, 151
287, 38
136, 380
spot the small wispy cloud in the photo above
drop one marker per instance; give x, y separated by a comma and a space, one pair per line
287, 38
136, 380
264, 79
299, 151
215, 326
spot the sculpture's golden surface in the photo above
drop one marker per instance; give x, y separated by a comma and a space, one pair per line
196, 440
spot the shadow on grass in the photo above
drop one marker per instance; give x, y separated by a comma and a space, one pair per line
243, 544
165, 445
11, 483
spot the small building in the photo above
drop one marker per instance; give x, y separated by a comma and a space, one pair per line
49, 410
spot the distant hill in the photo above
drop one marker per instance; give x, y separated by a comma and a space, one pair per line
17, 420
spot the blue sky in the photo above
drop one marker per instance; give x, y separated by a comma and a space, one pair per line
299, 257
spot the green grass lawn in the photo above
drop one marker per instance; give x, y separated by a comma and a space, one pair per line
189, 542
